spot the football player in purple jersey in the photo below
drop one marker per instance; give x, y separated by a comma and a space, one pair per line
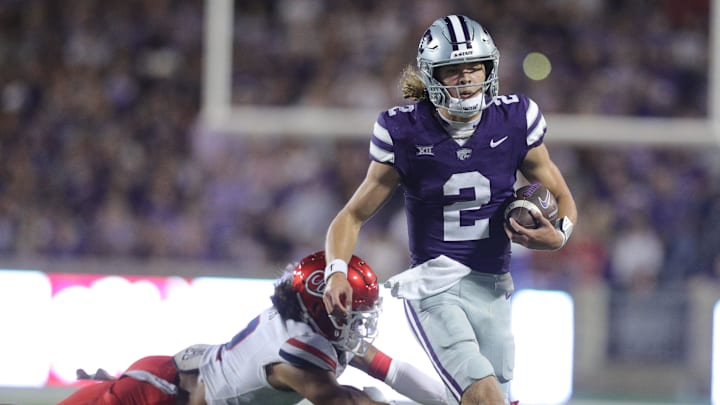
456, 152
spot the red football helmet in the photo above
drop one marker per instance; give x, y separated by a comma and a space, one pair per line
360, 327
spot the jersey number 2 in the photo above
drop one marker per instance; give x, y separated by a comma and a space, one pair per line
479, 229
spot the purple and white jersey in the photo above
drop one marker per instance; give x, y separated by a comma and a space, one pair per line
454, 193
235, 372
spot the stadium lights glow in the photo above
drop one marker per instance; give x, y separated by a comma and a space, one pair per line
25, 301
536, 66
543, 326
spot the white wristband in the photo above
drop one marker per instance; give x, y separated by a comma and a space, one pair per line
565, 227
565, 238
335, 266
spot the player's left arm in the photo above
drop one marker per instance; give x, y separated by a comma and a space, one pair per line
538, 167
401, 376
317, 385
380, 182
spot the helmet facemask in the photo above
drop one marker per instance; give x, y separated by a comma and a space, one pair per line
358, 330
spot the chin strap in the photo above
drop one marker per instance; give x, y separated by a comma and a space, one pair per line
467, 107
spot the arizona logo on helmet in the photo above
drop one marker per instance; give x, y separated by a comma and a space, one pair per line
315, 283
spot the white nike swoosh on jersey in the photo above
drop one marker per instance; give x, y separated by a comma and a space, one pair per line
494, 143
546, 201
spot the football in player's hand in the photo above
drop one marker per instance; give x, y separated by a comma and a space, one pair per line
534, 197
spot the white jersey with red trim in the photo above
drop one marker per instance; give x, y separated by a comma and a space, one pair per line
234, 372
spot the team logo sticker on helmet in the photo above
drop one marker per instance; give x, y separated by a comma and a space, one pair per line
315, 283
464, 153
425, 42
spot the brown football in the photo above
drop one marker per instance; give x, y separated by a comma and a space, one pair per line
533, 197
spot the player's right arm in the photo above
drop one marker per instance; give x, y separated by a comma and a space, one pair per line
380, 182
316, 385
401, 376
538, 167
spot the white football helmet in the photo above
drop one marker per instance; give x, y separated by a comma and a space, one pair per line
451, 40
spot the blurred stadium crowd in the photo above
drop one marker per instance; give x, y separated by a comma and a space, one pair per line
102, 153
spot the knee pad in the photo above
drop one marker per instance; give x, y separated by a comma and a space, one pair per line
476, 366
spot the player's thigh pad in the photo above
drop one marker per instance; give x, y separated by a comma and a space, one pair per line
485, 299
450, 341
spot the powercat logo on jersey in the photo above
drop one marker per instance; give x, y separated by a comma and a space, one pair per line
315, 283
427, 42
464, 153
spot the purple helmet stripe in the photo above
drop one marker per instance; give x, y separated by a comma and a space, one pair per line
451, 30
466, 32
459, 32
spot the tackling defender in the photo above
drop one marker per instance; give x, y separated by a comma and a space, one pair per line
294, 350
291, 351
456, 151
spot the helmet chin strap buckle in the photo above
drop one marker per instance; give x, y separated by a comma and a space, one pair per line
466, 107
